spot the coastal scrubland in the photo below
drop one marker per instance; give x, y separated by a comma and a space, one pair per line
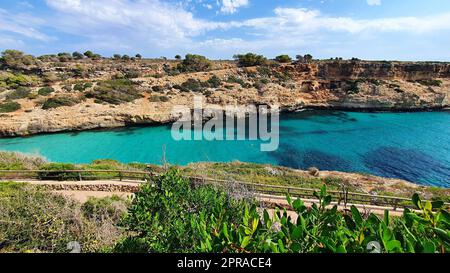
265, 174
66, 92
171, 215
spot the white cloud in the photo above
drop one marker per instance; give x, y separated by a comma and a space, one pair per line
231, 6
301, 21
374, 2
154, 27
22, 24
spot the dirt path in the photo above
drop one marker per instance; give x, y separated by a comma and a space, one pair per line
82, 191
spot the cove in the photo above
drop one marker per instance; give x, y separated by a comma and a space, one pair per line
410, 146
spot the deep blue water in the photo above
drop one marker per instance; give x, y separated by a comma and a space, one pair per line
410, 146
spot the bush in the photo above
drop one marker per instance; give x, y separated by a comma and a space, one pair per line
436, 83
192, 85
55, 172
157, 98
89, 54
234, 79
162, 214
158, 88
15, 59
131, 74
19, 93
14, 81
214, 82
35, 220
172, 215
45, 91
194, 63
115, 91
250, 59
18, 161
77, 55
9, 106
283, 59
79, 87
59, 102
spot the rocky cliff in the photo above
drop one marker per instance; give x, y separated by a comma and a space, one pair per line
155, 89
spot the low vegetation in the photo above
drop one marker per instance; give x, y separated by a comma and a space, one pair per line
45, 91
170, 215
20, 93
250, 59
35, 220
60, 101
116, 91
194, 63
9, 106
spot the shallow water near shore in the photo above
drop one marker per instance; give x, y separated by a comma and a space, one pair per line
410, 146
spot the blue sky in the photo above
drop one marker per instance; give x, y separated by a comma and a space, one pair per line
367, 29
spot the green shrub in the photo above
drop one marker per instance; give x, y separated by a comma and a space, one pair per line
234, 79
171, 215
250, 59
283, 59
79, 87
113, 207
88, 85
194, 63
157, 98
162, 214
115, 91
214, 82
13, 81
56, 102
55, 171
192, 85
17, 161
9, 106
35, 220
19, 93
45, 91
17, 60
131, 74
67, 87
436, 83
158, 88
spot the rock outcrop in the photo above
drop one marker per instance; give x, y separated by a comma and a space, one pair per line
350, 85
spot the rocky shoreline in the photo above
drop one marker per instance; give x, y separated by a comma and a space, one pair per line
320, 85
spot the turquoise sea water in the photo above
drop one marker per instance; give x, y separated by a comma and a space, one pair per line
410, 146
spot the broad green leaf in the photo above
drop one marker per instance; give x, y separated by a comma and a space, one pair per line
393, 245
386, 217
289, 200
445, 216
416, 200
387, 235
429, 247
245, 241
444, 235
341, 249
295, 247
356, 216
437, 204
297, 205
296, 233
255, 224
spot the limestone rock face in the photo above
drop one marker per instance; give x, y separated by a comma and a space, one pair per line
352, 85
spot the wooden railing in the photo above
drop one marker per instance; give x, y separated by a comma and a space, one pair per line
342, 197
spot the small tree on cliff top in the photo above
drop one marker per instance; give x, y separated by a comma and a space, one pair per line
250, 59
